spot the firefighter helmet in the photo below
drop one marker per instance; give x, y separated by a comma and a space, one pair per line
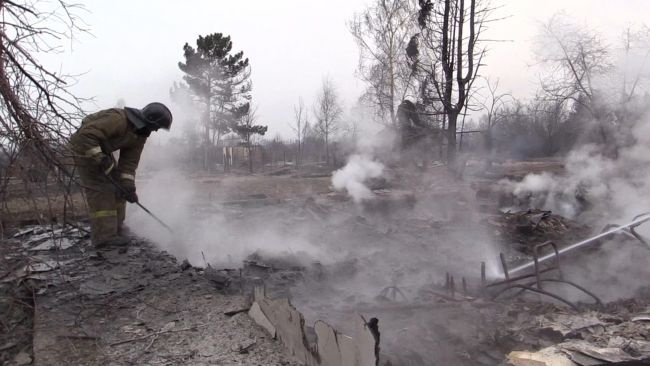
152, 117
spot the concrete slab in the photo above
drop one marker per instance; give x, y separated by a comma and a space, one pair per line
330, 348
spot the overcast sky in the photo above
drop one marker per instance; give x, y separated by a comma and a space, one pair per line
136, 45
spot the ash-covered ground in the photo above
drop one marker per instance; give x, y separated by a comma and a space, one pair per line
391, 256
65, 303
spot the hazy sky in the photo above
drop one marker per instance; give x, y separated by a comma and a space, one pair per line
136, 45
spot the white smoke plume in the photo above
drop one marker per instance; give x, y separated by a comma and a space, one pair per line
354, 174
588, 180
204, 231
599, 189
595, 188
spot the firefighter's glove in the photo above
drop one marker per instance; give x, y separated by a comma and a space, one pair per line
129, 191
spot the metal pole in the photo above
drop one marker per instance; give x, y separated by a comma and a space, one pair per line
119, 187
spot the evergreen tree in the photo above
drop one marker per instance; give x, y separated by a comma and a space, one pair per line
220, 83
246, 129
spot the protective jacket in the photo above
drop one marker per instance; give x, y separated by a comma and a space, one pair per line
103, 133
108, 131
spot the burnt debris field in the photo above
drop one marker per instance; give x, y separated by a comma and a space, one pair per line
325, 183
427, 264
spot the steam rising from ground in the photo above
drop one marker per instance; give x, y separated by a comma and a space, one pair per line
375, 246
204, 231
595, 188
365, 164
354, 174
588, 181
599, 189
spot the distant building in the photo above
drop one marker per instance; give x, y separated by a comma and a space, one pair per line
235, 153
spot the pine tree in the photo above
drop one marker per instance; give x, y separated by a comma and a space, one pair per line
246, 129
220, 83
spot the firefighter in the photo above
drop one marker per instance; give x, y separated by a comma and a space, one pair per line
93, 145
412, 128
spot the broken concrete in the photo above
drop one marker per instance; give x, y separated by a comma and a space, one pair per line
587, 339
547, 357
330, 348
258, 316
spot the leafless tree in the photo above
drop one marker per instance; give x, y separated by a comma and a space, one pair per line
576, 57
495, 105
37, 111
299, 127
355, 116
382, 32
448, 53
600, 84
327, 111
635, 70
549, 119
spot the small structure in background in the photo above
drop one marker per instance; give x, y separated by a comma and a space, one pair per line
235, 153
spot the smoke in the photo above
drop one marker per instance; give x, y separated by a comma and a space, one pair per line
205, 230
595, 188
607, 182
588, 182
370, 149
354, 174
600, 188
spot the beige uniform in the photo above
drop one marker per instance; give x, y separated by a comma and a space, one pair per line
103, 133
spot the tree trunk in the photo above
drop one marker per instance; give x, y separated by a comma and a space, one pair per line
298, 158
327, 149
206, 148
489, 146
451, 138
250, 158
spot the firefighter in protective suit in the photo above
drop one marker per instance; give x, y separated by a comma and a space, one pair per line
93, 145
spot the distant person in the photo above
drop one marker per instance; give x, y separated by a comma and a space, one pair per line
414, 134
100, 134
412, 128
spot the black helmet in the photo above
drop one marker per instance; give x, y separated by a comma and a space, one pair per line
158, 114
153, 116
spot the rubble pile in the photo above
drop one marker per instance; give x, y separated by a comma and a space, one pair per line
16, 311
586, 339
523, 230
130, 305
420, 321
437, 326
410, 260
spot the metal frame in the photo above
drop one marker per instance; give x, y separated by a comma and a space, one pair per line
537, 285
392, 291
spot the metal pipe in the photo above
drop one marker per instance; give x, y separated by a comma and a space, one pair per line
638, 221
123, 191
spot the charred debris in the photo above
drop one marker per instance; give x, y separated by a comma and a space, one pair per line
525, 306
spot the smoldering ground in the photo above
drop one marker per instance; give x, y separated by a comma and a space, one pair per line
601, 188
362, 252
349, 253
204, 231
389, 245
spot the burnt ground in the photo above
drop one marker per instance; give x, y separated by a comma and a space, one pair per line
332, 258
388, 258
70, 304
